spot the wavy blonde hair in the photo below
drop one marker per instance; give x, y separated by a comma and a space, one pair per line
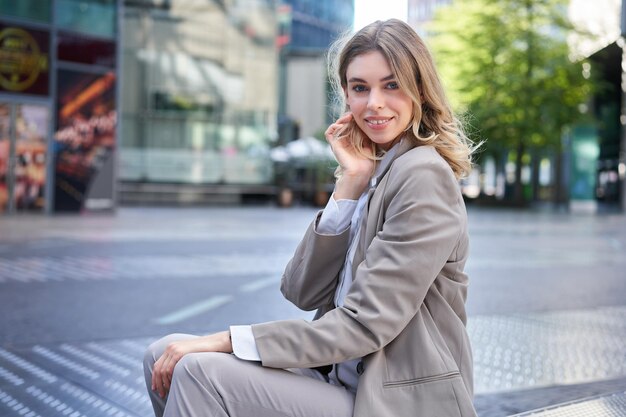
433, 122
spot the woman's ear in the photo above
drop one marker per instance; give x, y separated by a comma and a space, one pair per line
345, 97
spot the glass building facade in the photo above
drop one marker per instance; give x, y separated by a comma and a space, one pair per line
311, 27
58, 104
421, 12
316, 23
199, 93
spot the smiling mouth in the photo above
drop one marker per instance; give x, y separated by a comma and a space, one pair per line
378, 122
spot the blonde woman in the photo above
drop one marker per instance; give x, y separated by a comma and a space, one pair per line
382, 264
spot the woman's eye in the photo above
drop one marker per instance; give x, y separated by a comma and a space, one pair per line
393, 85
359, 88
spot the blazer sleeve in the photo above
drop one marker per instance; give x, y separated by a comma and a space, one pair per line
422, 227
310, 278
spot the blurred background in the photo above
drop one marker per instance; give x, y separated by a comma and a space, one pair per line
161, 159
109, 103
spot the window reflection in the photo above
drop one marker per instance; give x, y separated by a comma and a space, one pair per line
199, 94
96, 17
85, 50
38, 10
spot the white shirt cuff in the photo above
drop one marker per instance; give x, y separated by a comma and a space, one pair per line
244, 345
336, 216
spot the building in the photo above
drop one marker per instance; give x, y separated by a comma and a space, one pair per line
58, 104
421, 12
199, 99
603, 43
312, 25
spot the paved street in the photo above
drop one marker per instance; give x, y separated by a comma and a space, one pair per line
81, 297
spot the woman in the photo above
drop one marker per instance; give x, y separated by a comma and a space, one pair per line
382, 264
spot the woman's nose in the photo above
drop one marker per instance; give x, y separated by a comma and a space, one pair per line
376, 100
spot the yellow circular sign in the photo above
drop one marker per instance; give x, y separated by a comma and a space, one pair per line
21, 60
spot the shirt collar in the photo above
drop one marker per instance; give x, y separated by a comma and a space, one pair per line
384, 163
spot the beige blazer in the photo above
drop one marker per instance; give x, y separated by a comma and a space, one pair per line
405, 311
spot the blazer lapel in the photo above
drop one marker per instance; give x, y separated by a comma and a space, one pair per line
359, 254
404, 146
364, 241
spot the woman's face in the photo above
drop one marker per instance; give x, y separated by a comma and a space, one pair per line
378, 106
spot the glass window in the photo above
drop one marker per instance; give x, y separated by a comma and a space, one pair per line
85, 50
97, 17
27, 9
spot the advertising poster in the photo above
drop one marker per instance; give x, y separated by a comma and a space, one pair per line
24, 60
5, 154
31, 128
84, 141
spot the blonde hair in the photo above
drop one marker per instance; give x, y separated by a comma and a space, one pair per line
433, 122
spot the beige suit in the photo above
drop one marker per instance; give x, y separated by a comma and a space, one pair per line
404, 313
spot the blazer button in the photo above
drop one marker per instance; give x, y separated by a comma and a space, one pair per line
360, 368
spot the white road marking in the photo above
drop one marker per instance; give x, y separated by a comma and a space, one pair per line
259, 284
194, 309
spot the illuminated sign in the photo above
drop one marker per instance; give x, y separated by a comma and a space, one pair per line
24, 60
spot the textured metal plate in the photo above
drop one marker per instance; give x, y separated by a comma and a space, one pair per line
543, 349
606, 406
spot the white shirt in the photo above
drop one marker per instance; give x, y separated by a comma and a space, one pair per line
337, 216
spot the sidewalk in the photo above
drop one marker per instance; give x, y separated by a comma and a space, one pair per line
530, 361
547, 399
522, 362
613, 405
546, 310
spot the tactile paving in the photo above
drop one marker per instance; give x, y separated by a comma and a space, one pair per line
606, 406
105, 378
542, 349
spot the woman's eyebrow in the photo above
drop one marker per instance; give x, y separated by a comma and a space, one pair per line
360, 80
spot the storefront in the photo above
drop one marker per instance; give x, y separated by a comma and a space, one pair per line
58, 104
199, 100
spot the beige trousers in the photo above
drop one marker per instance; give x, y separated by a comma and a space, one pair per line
221, 385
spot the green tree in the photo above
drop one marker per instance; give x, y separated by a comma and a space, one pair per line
506, 63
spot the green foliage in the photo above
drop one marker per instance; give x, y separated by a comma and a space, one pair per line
506, 63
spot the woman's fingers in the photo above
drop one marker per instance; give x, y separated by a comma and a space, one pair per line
345, 118
162, 374
157, 382
163, 370
164, 367
334, 129
166, 375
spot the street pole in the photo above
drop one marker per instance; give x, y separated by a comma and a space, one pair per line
622, 151
283, 40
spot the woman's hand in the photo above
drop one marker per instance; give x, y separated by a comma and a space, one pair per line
356, 169
164, 366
